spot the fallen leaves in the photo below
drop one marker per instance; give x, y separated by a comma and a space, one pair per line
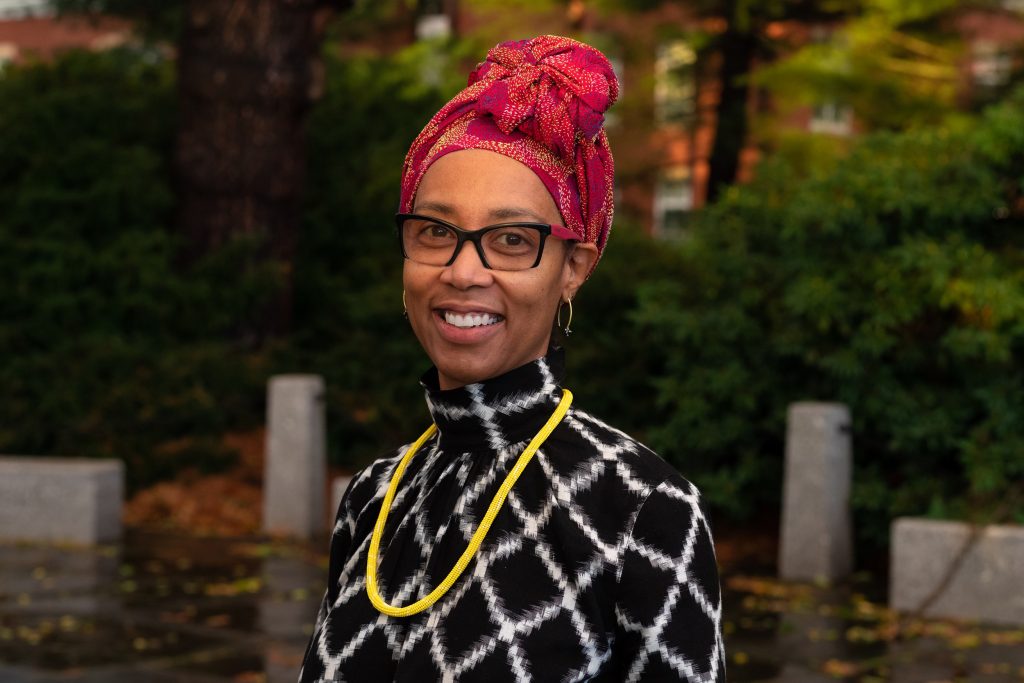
838, 621
229, 504
840, 668
249, 584
216, 505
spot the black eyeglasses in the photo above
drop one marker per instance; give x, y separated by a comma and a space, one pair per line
504, 246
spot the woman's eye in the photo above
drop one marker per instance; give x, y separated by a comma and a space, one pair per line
512, 239
435, 232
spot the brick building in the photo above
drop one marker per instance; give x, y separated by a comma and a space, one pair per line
664, 126
30, 29
663, 129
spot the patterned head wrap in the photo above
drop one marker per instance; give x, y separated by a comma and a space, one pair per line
541, 102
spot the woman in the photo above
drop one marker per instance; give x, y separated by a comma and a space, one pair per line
522, 539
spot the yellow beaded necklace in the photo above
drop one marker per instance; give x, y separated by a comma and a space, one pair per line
478, 535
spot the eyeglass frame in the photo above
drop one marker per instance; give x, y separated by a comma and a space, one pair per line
474, 236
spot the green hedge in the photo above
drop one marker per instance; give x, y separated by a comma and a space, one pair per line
106, 349
893, 283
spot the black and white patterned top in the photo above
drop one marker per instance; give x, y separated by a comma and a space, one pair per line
599, 566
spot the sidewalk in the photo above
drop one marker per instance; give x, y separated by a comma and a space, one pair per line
167, 609
798, 633
157, 609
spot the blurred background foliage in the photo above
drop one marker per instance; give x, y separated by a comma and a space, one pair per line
108, 349
885, 272
893, 283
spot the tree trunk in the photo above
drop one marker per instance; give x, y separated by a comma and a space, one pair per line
737, 47
246, 74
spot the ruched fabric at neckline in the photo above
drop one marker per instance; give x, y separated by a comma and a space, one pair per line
487, 416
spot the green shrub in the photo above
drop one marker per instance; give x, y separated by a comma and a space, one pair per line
106, 349
610, 359
894, 284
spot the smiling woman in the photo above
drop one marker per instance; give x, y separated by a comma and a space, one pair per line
519, 538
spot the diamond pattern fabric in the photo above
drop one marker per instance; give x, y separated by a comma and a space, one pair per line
599, 567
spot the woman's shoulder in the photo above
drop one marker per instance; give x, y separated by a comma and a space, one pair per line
638, 464
366, 483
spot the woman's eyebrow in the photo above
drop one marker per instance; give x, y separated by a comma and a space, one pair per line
510, 212
503, 213
439, 207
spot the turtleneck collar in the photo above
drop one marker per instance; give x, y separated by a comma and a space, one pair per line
499, 411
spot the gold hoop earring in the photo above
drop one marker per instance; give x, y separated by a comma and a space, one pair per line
405, 310
569, 322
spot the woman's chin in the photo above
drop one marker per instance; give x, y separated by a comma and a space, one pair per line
457, 370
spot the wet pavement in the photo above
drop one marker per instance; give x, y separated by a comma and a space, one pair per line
166, 609
803, 633
157, 608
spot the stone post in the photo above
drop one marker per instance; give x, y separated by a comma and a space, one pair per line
984, 573
816, 534
69, 500
296, 463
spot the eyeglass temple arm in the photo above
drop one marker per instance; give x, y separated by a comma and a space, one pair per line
562, 232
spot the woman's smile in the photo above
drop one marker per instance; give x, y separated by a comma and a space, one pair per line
469, 327
468, 315
470, 319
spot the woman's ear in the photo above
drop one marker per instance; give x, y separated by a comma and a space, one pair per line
579, 259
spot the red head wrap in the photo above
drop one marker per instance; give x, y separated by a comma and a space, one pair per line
541, 102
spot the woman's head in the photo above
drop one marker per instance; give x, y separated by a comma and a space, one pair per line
522, 144
477, 322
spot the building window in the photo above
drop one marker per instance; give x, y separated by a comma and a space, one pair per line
433, 27
673, 203
8, 52
675, 83
991, 64
832, 117
24, 9
433, 21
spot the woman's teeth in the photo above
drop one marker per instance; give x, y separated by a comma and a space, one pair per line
470, 319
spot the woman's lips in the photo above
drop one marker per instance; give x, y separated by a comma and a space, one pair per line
469, 318
466, 335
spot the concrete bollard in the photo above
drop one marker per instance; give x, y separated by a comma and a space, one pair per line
984, 573
296, 462
72, 500
816, 541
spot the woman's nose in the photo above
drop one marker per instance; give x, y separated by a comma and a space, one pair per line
467, 269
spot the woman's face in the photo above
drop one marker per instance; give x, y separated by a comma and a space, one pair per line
473, 189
